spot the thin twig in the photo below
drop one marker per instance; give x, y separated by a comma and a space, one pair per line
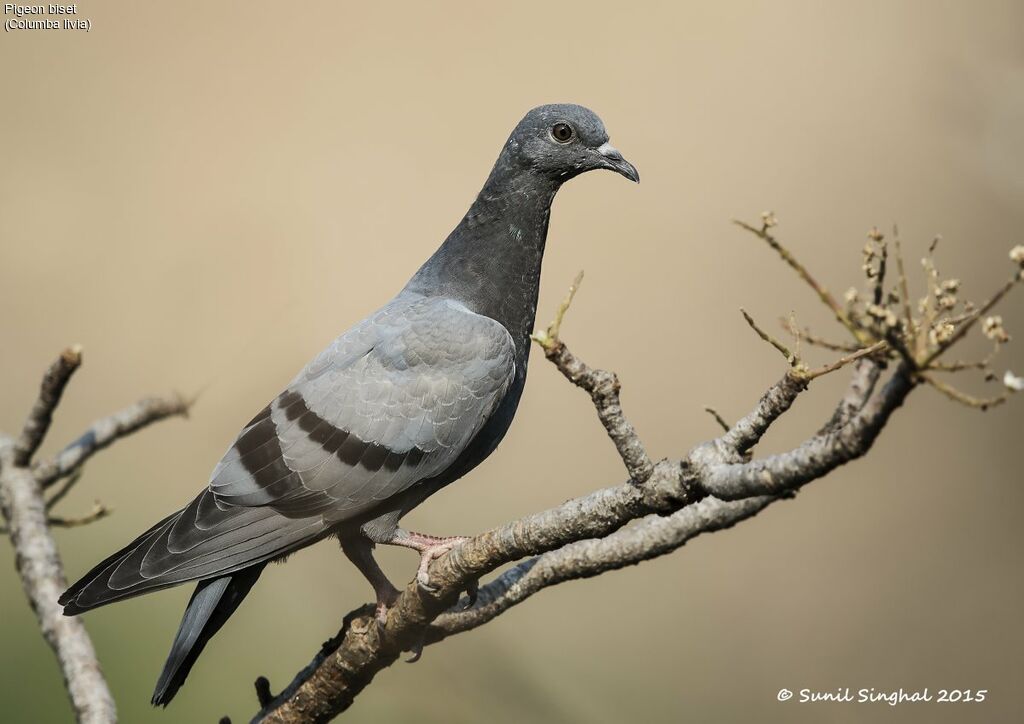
64, 488
880, 272
50, 391
823, 294
98, 512
908, 314
807, 336
547, 339
843, 361
105, 431
973, 317
979, 403
718, 418
791, 358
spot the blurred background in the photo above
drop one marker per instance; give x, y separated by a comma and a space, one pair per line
204, 194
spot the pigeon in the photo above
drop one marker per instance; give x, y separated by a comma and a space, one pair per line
405, 402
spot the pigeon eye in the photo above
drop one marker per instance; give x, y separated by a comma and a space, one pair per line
561, 132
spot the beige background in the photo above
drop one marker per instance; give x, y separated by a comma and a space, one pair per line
204, 194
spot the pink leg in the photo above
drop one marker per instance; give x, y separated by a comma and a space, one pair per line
429, 547
360, 551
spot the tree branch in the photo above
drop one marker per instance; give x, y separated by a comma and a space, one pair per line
50, 391
582, 537
28, 521
105, 431
663, 504
649, 538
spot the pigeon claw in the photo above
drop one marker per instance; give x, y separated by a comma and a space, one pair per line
472, 591
429, 548
416, 652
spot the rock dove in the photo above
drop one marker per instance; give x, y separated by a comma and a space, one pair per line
408, 400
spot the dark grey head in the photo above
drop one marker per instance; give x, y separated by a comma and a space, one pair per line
563, 140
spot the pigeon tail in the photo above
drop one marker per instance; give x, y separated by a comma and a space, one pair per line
211, 605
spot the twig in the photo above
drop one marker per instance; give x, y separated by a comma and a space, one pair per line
50, 391
980, 403
843, 361
98, 512
547, 339
806, 335
969, 321
263, 695
28, 523
42, 578
908, 314
823, 294
603, 388
961, 365
105, 431
64, 488
791, 358
718, 418
880, 272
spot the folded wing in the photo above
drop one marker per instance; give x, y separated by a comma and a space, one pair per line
391, 402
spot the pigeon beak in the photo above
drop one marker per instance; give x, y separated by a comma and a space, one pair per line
614, 161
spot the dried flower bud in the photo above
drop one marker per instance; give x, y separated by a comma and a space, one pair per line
769, 219
885, 316
1013, 382
992, 327
851, 295
875, 234
941, 333
951, 286
1017, 255
946, 301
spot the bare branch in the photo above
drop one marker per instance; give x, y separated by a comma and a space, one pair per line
659, 509
843, 361
858, 392
548, 338
50, 391
908, 315
980, 403
971, 318
64, 488
603, 388
773, 403
718, 418
28, 521
806, 335
98, 512
42, 577
791, 358
823, 294
649, 538
815, 457
581, 537
105, 431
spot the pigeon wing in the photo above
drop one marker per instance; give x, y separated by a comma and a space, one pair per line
392, 402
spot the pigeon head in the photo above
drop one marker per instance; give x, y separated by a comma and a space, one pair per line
562, 141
